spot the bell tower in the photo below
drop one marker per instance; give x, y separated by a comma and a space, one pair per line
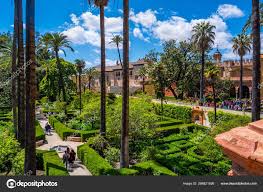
217, 56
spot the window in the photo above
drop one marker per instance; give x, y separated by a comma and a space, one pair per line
130, 73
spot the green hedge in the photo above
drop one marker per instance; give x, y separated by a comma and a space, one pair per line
171, 138
40, 134
127, 172
184, 128
94, 162
227, 121
51, 163
152, 168
63, 131
176, 112
167, 123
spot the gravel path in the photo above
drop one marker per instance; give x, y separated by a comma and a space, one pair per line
54, 140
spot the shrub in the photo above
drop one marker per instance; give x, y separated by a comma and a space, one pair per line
112, 155
184, 128
177, 112
171, 138
227, 121
127, 172
167, 123
148, 154
64, 131
52, 164
18, 163
40, 134
93, 161
152, 168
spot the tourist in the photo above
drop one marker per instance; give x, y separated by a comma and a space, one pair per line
66, 158
48, 129
72, 157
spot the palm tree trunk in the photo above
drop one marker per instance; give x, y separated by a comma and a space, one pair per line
76, 79
202, 79
119, 54
31, 90
214, 98
241, 79
21, 78
14, 68
80, 101
103, 65
256, 61
124, 160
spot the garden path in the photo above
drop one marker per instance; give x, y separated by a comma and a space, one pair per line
54, 140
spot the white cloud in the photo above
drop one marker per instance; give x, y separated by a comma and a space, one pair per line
146, 19
86, 29
74, 19
138, 33
229, 11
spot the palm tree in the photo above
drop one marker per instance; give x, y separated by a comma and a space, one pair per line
80, 65
101, 4
31, 90
117, 39
241, 46
91, 73
14, 68
256, 59
58, 42
250, 19
124, 159
203, 37
212, 75
21, 78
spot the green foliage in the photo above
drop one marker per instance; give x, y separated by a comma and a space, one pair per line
152, 168
52, 163
64, 131
18, 163
93, 161
40, 134
141, 119
127, 172
9, 147
165, 131
112, 155
98, 143
49, 85
148, 154
227, 121
176, 112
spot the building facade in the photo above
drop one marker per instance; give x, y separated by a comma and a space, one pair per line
230, 70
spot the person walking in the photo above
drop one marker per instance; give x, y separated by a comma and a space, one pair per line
66, 158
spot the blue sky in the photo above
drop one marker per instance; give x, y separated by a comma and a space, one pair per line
151, 23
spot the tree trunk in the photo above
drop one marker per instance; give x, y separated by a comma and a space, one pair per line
173, 92
31, 92
76, 79
14, 68
103, 83
61, 81
256, 61
21, 78
214, 98
89, 84
241, 79
119, 54
124, 160
202, 79
80, 101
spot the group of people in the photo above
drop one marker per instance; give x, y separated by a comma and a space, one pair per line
69, 157
236, 105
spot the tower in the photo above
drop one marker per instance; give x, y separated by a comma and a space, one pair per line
217, 56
